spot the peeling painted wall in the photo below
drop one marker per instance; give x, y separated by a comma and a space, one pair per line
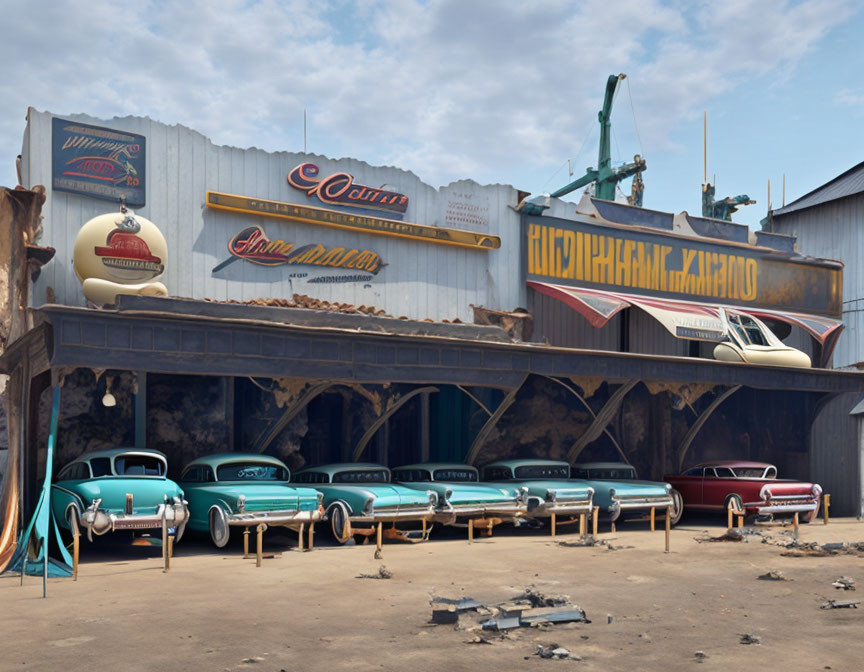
420, 280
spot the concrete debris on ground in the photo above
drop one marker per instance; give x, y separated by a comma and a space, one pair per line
728, 535
553, 651
797, 549
700, 656
747, 638
840, 604
382, 573
589, 542
772, 575
530, 608
844, 583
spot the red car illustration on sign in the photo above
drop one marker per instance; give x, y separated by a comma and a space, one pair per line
749, 486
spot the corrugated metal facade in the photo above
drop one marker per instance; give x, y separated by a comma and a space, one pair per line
835, 230
421, 280
834, 453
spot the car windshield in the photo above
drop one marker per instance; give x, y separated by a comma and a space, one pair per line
749, 472
543, 471
138, 465
251, 471
456, 475
361, 476
411, 475
747, 330
621, 474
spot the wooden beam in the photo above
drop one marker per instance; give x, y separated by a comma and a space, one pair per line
484, 432
290, 413
361, 445
603, 418
696, 426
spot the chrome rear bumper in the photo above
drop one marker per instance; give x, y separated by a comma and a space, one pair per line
566, 507
99, 521
504, 509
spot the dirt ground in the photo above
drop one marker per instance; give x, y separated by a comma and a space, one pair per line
307, 611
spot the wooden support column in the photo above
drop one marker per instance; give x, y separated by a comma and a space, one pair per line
668, 526
652, 518
470, 529
311, 543
552, 523
141, 410
596, 516
826, 502
424, 427
245, 543
300, 536
379, 537
259, 544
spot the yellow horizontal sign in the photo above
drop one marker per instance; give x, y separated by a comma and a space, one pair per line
341, 220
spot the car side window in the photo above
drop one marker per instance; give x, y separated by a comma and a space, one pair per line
192, 475
496, 474
710, 473
207, 475
695, 471
100, 466
724, 472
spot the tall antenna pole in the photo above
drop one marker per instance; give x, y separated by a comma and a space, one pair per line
705, 147
304, 130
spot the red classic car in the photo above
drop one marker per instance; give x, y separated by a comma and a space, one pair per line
753, 487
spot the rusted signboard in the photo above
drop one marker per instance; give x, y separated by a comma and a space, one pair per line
583, 254
99, 162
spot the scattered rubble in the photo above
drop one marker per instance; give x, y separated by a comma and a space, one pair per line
841, 604
553, 651
700, 656
530, 608
844, 583
747, 638
728, 535
772, 575
383, 573
589, 542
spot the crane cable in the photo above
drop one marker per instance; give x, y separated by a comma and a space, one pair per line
635, 125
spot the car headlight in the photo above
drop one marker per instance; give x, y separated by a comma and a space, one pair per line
816, 490
668, 487
320, 498
448, 494
369, 506
241, 503
551, 495
611, 492
433, 498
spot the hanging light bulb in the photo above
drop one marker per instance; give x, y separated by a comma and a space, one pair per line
108, 400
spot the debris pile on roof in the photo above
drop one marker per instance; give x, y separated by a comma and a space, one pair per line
311, 303
303, 301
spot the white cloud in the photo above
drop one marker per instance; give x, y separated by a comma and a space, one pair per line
850, 97
486, 89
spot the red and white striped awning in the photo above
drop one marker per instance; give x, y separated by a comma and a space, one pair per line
683, 319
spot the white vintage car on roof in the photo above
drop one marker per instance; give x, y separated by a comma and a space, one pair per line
749, 340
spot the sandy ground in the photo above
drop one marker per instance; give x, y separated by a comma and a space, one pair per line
307, 611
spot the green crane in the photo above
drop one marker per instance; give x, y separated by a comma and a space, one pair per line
605, 176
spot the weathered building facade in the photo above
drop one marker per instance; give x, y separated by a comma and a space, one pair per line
320, 310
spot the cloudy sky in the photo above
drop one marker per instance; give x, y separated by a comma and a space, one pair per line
495, 90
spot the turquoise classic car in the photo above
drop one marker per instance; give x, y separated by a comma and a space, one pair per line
549, 488
118, 489
359, 495
619, 493
461, 495
239, 489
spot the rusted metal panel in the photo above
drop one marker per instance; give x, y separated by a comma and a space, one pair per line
583, 253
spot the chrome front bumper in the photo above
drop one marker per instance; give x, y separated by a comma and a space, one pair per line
99, 521
504, 509
386, 516
277, 517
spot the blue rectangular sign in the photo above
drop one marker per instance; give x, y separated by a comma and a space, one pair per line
99, 162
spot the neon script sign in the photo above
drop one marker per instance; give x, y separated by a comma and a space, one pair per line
253, 244
340, 189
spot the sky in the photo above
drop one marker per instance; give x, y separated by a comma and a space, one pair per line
499, 91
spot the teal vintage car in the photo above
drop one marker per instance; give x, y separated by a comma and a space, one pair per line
460, 494
239, 489
549, 488
118, 489
357, 496
619, 493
